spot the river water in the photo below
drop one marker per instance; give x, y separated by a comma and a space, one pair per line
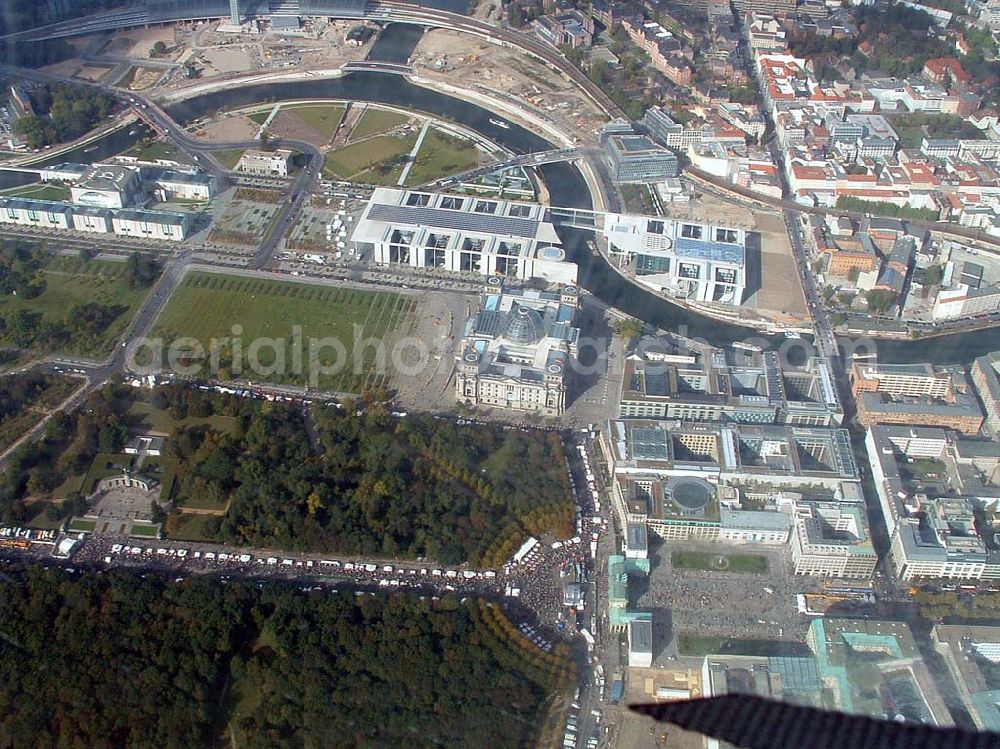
566, 187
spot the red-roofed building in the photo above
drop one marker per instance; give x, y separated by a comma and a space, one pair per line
939, 69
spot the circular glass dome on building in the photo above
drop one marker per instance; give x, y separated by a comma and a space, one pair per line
690, 495
524, 326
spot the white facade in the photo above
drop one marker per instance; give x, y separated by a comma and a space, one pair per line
38, 213
265, 163
462, 234
107, 186
150, 225
184, 185
697, 262
95, 220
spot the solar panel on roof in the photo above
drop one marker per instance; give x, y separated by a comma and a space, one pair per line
455, 220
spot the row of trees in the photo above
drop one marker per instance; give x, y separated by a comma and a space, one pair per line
123, 660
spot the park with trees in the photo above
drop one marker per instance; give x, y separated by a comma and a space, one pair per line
120, 659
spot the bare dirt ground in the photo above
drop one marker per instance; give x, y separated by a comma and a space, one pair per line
138, 43
287, 124
708, 208
450, 56
92, 73
781, 297
230, 60
144, 78
228, 129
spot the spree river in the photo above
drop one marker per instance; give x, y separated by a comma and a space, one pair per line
566, 187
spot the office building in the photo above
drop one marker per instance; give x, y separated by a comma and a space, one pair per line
636, 159
915, 394
275, 163
738, 385
517, 351
692, 261
151, 224
168, 184
42, 214
107, 186
929, 483
831, 540
986, 377
872, 667
462, 234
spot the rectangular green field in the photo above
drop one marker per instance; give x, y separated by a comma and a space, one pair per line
40, 191
70, 281
697, 560
275, 319
382, 157
375, 121
148, 418
324, 118
158, 149
87, 526
190, 527
440, 155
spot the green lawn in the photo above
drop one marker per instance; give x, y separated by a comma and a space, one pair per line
260, 117
696, 560
191, 527
87, 526
207, 306
146, 531
229, 159
70, 281
441, 155
164, 470
148, 418
380, 160
158, 149
375, 121
325, 118
40, 191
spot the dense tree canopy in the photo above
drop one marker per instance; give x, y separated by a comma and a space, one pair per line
122, 660
63, 112
366, 483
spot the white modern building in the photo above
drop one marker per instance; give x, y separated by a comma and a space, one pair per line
693, 261
265, 163
94, 220
42, 214
170, 183
462, 234
150, 225
107, 186
517, 351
